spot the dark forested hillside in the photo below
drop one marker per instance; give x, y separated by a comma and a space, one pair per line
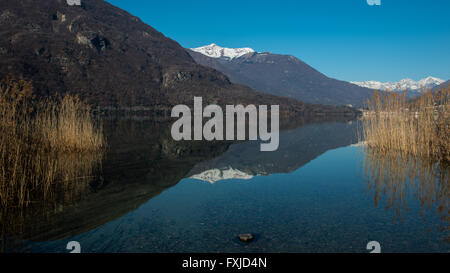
111, 58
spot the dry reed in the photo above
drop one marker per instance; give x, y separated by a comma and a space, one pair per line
417, 128
34, 136
394, 177
408, 150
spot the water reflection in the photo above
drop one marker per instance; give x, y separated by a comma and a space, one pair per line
74, 176
297, 147
142, 161
392, 178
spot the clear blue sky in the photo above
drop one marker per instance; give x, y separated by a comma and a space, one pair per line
346, 39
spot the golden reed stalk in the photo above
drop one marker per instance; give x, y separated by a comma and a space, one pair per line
408, 150
395, 178
34, 136
417, 128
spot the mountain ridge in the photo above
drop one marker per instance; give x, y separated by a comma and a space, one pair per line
402, 85
442, 85
215, 51
111, 58
285, 75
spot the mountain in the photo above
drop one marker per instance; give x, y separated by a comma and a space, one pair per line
281, 75
112, 59
402, 85
442, 85
215, 51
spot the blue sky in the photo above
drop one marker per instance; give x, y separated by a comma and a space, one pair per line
346, 39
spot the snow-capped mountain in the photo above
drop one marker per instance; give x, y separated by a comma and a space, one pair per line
401, 85
215, 175
215, 51
280, 75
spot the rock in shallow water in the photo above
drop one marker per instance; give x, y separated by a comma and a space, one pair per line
246, 238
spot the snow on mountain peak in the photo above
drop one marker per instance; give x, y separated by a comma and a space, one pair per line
215, 51
214, 175
409, 84
430, 80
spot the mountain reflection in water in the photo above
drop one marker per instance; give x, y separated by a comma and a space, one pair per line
297, 147
142, 161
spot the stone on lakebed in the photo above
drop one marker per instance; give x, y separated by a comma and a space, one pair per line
246, 238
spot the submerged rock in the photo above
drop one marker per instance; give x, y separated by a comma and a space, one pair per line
246, 238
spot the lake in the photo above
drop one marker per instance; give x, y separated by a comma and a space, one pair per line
320, 191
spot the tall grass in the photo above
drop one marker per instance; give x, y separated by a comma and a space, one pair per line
416, 128
34, 136
68, 126
408, 150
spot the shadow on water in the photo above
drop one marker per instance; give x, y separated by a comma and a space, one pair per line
391, 178
142, 161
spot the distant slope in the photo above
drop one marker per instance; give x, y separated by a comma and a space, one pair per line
402, 85
285, 75
413, 88
112, 58
442, 85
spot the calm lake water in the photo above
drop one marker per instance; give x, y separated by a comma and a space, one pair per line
317, 193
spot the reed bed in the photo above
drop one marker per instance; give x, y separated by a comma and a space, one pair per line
417, 128
34, 136
407, 151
